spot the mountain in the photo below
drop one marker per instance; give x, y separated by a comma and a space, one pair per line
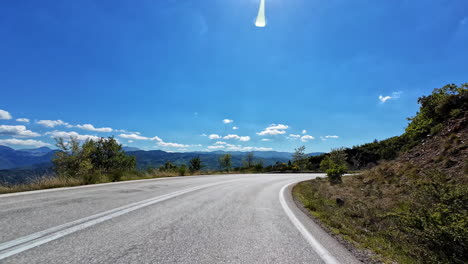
156, 158
37, 151
128, 149
22, 165
284, 156
11, 158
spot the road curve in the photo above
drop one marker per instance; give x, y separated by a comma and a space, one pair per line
243, 218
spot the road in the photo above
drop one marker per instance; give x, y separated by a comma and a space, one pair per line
200, 219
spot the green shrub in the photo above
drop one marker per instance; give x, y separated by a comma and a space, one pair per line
195, 164
91, 159
182, 170
334, 173
437, 219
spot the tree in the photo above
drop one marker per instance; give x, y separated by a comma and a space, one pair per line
225, 162
168, 166
91, 159
182, 170
335, 165
300, 159
444, 103
195, 164
249, 160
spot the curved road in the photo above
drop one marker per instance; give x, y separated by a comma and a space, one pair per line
203, 219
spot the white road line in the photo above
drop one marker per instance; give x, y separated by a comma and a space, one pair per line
316, 246
16, 246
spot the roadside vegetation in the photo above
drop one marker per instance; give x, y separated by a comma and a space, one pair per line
413, 206
103, 160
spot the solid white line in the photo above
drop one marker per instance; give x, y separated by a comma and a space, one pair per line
314, 243
16, 246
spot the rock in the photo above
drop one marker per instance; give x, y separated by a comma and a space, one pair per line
340, 202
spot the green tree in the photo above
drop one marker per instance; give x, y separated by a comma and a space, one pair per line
300, 158
334, 164
92, 159
444, 103
168, 166
195, 164
225, 162
182, 170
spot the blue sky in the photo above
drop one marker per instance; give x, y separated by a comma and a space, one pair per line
165, 74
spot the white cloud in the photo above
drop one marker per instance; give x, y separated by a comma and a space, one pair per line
52, 123
235, 128
274, 129
294, 136
203, 135
304, 131
384, 99
231, 136
242, 148
16, 131
263, 149
136, 136
395, 95
4, 115
90, 127
214, 136
65, 135
227, 121
24, 120
216, 147
220, 143
244, 139
23, 142
266, 139
305, 138
130, 141
172, 145
240, 138
328, 137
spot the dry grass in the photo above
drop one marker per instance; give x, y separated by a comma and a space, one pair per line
48, 182
42, 183
394, 210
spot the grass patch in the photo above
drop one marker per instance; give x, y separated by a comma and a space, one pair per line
400, 213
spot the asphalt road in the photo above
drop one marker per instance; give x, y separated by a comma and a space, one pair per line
202, 219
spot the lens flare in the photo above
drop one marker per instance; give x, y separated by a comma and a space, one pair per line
261, 21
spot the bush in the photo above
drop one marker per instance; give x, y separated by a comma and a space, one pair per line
92, 159
195, 164
437, 219
334, 174
447, 102
182, 170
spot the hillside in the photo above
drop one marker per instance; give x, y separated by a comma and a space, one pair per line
412, 208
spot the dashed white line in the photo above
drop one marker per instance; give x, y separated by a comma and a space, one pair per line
16, 246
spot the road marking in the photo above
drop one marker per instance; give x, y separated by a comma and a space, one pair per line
16, 246
316, 246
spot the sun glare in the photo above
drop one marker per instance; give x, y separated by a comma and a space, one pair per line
261, 21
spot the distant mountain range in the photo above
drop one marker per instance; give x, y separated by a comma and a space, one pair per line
17, 166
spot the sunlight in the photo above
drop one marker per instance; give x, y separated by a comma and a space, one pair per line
261, 21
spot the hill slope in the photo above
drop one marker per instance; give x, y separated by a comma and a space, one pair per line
413, 208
